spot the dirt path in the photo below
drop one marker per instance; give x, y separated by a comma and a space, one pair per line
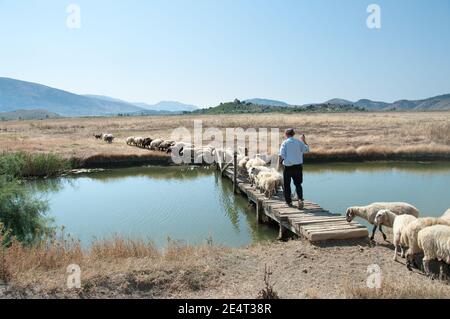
302, 270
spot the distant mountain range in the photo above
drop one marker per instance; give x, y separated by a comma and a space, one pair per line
441, 102
20, 95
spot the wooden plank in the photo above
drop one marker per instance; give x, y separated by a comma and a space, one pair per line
329, 228
338, 234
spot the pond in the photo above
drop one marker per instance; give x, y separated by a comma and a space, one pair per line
194, 205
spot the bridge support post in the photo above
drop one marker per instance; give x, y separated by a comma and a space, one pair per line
283, 231
235, 172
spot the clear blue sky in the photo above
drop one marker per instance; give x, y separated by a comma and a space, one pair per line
207, 51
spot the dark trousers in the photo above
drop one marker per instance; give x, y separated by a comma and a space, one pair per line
294, 173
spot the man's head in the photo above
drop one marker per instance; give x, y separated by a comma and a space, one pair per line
289, 133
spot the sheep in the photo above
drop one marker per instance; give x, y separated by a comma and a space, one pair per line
253, 173
271, 184
446, 215
146, 142
399, 223
434, 241
178, 147
242, 164
164, 146
255, 162
410, 233
155, 144
98, 136
369, 212
138, 141
130, 140
109, 138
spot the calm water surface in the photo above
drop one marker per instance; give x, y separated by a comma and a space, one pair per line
194, 204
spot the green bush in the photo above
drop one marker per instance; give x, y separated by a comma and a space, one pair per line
23, 165
21, 215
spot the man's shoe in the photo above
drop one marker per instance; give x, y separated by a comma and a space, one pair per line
289, 204
301, 205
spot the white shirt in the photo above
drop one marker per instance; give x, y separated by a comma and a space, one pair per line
292, 151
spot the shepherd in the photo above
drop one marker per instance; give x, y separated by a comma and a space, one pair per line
291, 157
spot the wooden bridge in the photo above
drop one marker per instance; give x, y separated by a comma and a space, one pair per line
312, 222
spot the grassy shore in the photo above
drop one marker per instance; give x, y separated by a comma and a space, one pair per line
333, 137
119, 268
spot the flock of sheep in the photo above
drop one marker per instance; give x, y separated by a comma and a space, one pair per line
430, 235
108, 138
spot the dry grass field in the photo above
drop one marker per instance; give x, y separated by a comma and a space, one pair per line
410, 133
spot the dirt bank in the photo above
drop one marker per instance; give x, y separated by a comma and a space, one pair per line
299, 270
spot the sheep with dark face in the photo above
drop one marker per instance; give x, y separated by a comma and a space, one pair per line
146, 142
164, 146
369, 213
108, 138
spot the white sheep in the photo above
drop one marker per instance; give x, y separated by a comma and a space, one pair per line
434, 241
272, 183
446, 215
255, 162
253, 173
156, 143
138, 140
130, 140
242, 164
410, 234
369, 213
399, 222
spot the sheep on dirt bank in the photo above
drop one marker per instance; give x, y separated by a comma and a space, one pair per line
369, 213
446, 215
146, 142
410, 234
130, 140
434, 241
155, 144
178, 147
108, 138
400, 222
98, 136
164, 146
138, 141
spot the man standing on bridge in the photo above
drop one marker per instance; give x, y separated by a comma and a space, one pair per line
291, 156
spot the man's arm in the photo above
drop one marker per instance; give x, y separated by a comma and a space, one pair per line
282, 154
305, 146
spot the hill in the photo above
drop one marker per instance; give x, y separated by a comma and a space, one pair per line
169, 106
437, 103
27, 115
267, 102
21, 95
238, 107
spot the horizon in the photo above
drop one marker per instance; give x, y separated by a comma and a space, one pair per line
188, 53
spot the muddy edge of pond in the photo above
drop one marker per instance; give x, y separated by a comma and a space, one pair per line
162, 159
